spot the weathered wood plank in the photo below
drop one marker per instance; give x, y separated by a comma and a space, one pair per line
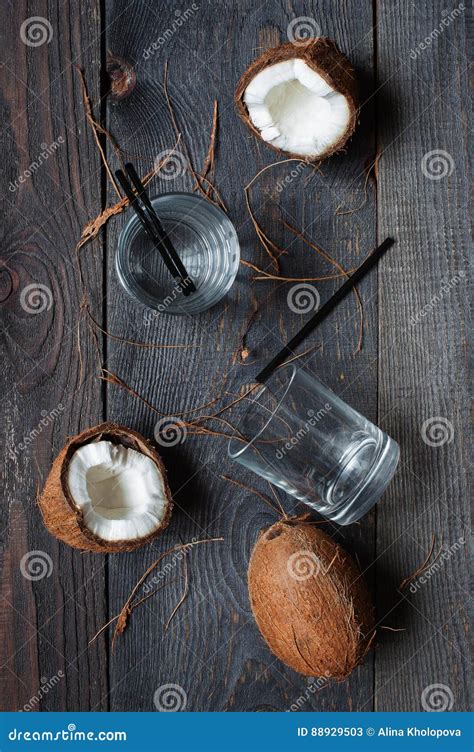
52, 187
423, 399
213, 649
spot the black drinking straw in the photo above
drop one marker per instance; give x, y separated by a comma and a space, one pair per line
326, 309
146, 214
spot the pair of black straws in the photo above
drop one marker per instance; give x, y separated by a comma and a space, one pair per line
140, 202
136, 193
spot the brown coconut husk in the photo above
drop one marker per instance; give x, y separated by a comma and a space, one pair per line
324, 57
65, 520
319, 626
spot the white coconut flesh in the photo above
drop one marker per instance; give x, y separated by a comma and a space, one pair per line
120, 491
295, 109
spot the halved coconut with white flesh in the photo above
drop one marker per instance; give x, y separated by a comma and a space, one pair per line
107, 491
300, 99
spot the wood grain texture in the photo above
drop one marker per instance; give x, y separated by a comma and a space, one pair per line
423, 400
48, 620
411, 368
213, 649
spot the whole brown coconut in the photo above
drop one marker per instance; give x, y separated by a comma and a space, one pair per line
295, 112
110, 486
309, 600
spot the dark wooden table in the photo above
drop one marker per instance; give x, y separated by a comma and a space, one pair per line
412, 63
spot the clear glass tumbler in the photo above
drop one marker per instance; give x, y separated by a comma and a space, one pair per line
204, 238
300, 436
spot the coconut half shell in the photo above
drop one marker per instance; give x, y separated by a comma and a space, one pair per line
334, 76
309, 600
65, 516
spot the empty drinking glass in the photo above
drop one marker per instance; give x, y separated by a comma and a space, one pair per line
300, 436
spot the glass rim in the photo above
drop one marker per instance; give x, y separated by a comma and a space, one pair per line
236, 455
132, 222
131, 229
